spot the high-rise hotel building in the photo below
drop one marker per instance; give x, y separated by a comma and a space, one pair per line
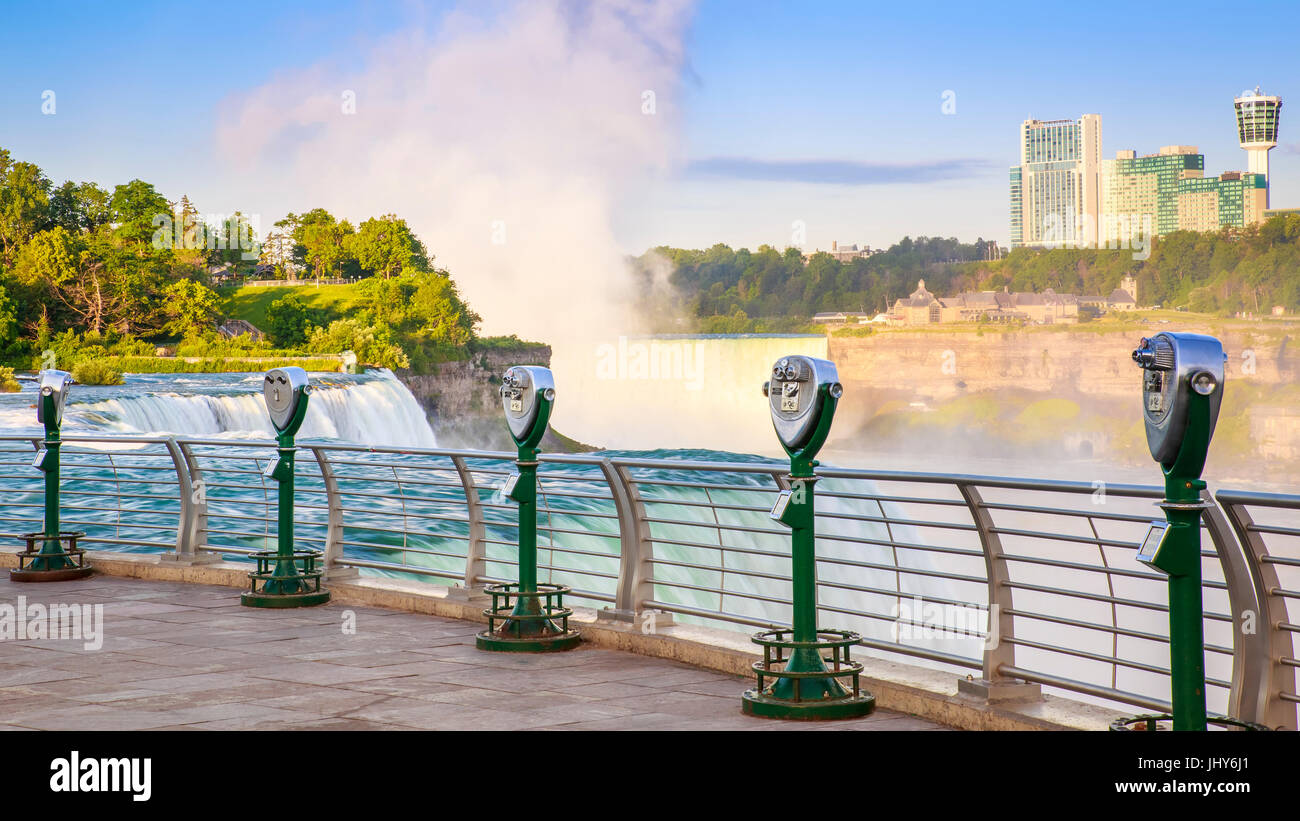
1141, 193
1136, 196
1056, 188
1168, 191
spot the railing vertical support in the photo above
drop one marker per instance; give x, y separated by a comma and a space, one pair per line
636, 552
334, 526
476, 544
192, 528
1248, 673
1267, 677
998, 651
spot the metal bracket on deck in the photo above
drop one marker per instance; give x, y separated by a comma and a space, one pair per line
1004, 689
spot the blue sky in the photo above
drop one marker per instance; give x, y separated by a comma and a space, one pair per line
828, 113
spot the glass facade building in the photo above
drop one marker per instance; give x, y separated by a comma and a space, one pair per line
1056, 188
1234, 199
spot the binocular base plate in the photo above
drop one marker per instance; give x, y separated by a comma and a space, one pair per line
1163, 721
311, 599
755, 703
65, 574
529, 644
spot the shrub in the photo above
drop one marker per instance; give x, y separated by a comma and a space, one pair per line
854, 331
7, 382
288, 322
96, 372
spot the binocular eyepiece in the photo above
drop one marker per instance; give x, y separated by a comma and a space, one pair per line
789, 370
1155, 354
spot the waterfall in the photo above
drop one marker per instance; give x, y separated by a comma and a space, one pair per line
373, 409
673, 391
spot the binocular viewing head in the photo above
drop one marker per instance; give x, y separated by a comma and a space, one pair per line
1182, 389
527, 396
54, 396
285, 392
802, 395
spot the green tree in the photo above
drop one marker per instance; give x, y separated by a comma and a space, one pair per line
320, 243
8, 321
80, 208
373, 346
288, 322
191, 307
385, 247
24, 204
138, 209
93, 281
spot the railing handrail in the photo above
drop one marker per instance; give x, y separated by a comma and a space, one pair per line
825, 471
1258, 687
1250, 497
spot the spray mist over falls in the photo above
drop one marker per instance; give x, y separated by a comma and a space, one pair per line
508, 138
673, 391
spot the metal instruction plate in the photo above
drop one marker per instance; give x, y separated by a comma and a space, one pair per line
1151, 544
782, 502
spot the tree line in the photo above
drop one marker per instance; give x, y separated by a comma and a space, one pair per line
1225, 272
113, 270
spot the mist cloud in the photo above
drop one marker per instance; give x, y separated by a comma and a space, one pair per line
507, 138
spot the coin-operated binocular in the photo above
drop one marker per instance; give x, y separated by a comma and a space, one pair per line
54, 396
810, 670
52, 561
285, 577
527, 617
1182, 389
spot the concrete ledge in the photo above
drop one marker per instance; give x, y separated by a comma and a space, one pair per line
904, 688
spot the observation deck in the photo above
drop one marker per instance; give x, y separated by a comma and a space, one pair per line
672, 565
180, 656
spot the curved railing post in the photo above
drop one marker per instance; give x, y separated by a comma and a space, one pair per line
1249, 653
999, 652
1269, 677
334, 525
192, 529
476, 544
636, 550
184, 547
629, 564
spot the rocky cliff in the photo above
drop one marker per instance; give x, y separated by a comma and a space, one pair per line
463, 403
1052, 394
936, 366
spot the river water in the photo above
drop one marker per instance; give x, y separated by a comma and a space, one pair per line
374, 408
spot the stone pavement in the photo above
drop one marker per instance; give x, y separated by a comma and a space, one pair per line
185, 656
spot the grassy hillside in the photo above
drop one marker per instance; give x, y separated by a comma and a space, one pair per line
250, 303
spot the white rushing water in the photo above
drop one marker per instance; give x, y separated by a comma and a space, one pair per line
371, 409
673, 391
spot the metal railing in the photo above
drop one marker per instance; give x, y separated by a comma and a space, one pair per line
1268, 527
1003, 578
